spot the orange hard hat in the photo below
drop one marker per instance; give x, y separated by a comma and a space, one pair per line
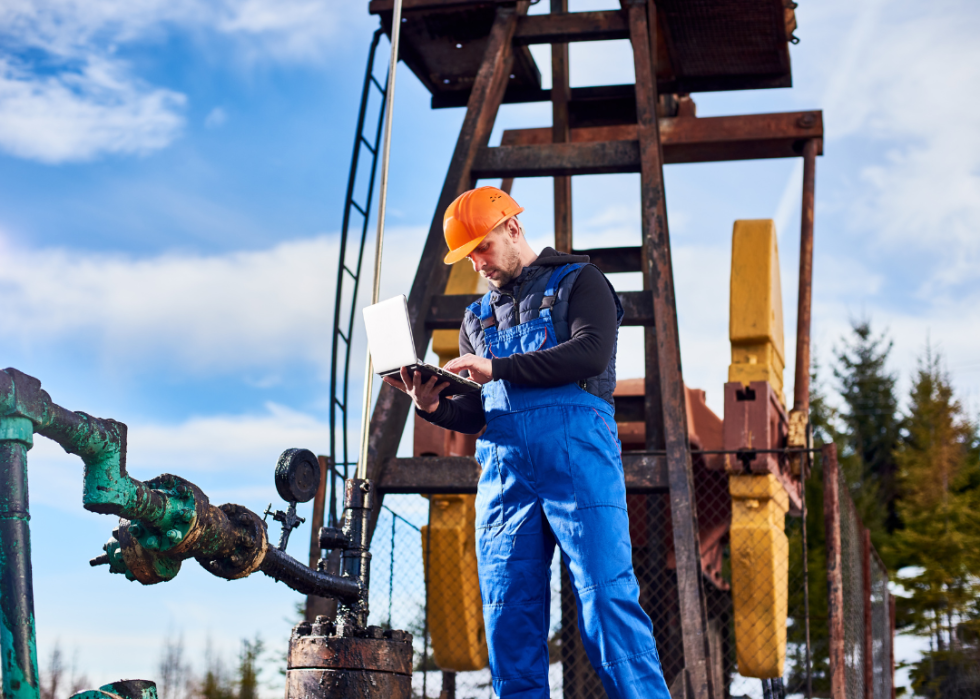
472, 216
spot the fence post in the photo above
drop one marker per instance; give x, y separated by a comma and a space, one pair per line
869, 690
891, 641
835, 583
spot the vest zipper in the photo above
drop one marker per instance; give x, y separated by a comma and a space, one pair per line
517, 301
517, 298
517, 312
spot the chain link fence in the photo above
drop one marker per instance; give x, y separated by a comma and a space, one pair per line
424, 580
852, 576
881, 630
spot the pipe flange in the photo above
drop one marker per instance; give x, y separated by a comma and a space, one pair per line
177, 531
146, 566
250, 549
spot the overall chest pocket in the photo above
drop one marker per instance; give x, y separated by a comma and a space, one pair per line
531, 336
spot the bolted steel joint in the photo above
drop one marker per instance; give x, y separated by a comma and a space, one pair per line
138, 559
244, 542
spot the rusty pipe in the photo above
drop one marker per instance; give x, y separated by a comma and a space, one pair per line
801, 381
165, 520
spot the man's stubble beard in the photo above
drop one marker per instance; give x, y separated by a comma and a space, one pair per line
510, 267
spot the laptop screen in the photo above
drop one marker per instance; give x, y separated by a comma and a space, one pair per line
389, 334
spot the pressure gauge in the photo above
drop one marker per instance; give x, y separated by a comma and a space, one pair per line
297, 475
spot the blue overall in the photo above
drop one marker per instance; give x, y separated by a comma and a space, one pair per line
552, 472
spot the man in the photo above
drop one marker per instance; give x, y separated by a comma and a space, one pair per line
542, 342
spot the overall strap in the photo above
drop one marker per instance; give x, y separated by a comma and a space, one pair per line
488, 322
551, 291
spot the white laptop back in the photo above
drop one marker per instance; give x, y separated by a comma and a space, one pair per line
390, 335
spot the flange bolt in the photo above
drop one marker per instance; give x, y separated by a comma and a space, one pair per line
174, 536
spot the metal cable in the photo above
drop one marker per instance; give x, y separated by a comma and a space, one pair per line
396, 25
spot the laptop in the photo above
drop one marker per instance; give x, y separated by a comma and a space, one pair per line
389, 336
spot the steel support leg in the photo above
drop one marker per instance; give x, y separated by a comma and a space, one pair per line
659, 278
17, 644
560, 96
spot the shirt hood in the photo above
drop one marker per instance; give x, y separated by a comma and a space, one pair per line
549, 257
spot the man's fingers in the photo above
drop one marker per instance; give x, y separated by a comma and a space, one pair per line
397, 383
457, 365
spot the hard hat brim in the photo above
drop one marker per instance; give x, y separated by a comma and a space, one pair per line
454, 256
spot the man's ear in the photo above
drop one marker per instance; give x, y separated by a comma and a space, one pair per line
513, 228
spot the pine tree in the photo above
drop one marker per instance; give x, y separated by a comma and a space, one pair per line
249, 669
215, 684
871, 428
938, 478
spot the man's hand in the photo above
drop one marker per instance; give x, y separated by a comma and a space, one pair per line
481, 370
424, 395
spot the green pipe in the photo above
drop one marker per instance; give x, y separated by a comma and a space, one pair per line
107, 488
17, 639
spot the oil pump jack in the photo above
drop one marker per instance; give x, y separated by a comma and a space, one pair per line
473, 53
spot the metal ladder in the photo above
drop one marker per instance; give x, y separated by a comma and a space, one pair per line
349, 273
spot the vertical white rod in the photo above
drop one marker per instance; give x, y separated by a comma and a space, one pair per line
396, 26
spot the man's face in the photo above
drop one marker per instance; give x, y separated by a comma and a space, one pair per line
497, 258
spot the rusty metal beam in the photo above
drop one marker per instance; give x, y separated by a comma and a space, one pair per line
609, 104
613, 260
801, 378
645, 473
687, 139
561, 94
378, 6
557, 159
392, 406
742, 137
835, 583
446, 310
666, 85
576, 26
659, 275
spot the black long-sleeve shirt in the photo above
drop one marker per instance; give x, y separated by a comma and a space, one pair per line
592, 328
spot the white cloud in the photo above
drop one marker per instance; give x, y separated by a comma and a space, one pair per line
77, 115
256, 310
290, 29
924, 190
908, 184
195, 445
65, 95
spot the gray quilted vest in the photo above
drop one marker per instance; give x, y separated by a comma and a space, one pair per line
524, 304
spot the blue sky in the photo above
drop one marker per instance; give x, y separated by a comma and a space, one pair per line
171, 186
